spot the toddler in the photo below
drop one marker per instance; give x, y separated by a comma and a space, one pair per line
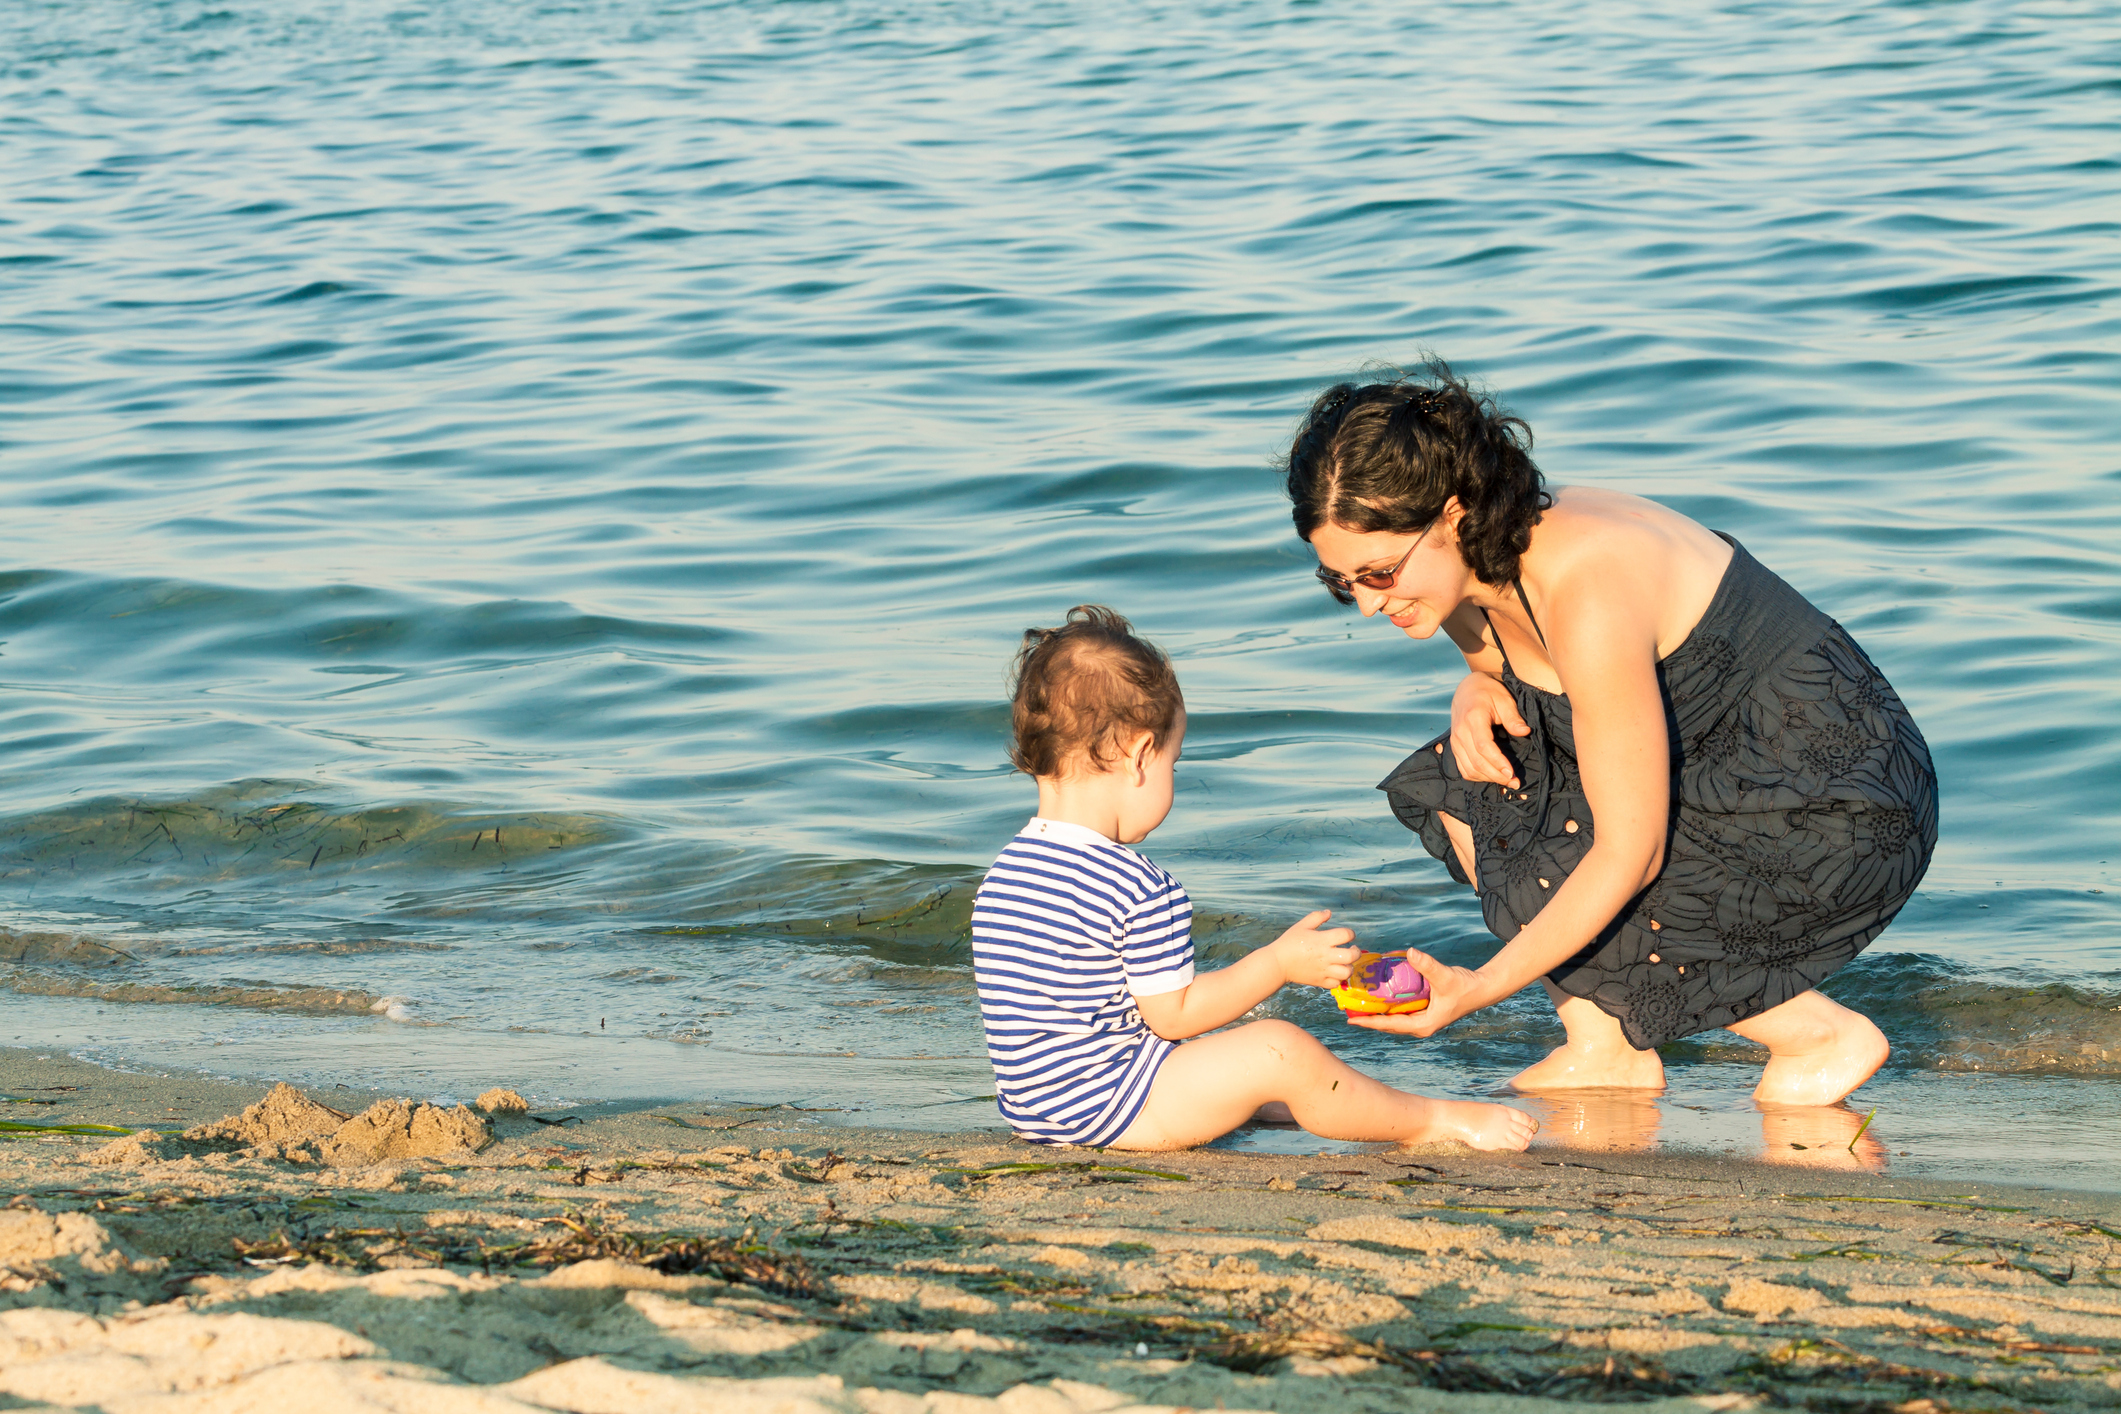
1083, 948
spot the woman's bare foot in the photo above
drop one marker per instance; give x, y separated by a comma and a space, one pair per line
1818, 1051
1827, 1075
1574, 1067
1480, 1124
1833, 1136
1596, 1056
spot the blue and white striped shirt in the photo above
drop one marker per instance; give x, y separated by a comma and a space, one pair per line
1068, 928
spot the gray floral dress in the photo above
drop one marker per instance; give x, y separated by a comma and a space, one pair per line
1804, 812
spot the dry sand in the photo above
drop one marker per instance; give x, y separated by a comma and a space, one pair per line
333, 1256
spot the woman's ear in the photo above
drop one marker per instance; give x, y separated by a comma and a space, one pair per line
1453, 513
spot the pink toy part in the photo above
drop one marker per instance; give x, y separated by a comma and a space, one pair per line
1393, 979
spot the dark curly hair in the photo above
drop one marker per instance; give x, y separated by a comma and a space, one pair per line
1389, 455
1080, 691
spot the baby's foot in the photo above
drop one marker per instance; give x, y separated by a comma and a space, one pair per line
1482, 1125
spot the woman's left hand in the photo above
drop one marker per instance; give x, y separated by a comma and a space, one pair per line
1453, 992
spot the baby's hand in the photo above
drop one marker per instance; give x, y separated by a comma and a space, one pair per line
1311, 956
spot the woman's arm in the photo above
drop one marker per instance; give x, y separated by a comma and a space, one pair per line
1605, 650
1481, 703
1307, 954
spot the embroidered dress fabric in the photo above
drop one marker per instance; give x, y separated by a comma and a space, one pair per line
1068, 928
1804, 815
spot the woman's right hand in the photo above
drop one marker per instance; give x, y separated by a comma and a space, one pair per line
1453, 992
1480, 705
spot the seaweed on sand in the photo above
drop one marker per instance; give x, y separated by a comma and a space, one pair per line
18, 1126
741, 1259
1092, 1172
1616, 1378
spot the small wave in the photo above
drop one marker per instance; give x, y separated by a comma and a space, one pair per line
879, 905
1944, 1016
315, 289
73, 949
909, 913
682, 1035
322, 947
273, 828
321, 1001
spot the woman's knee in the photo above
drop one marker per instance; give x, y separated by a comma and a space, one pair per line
1808, 1021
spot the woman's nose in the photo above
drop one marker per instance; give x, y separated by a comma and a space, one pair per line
1367, 599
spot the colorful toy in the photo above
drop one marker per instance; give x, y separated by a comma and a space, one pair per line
1383, 984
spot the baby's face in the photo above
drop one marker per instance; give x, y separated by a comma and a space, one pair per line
1144, 805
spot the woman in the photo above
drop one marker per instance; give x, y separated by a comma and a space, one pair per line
1702, 798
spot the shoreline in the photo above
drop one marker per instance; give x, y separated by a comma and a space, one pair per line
688, 1256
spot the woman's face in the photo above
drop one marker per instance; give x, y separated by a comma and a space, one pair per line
1431, 583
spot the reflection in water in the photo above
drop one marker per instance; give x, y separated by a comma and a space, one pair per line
1611, 1121
1832, 1137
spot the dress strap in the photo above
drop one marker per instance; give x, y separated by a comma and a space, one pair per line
1498, 643
1518, 585
1536, 715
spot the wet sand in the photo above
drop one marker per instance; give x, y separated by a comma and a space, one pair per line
685, 1257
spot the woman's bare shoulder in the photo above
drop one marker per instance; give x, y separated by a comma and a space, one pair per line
1612, 510
1651, 555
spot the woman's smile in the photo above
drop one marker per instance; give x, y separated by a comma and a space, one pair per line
1402, 612
1350, 555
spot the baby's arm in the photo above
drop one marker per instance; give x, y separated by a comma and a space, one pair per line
1307, 955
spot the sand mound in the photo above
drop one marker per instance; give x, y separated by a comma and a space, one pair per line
29, 1238
400, 1129
71, 1250
498, 1101
288, 1125
145, 1147
285, 1115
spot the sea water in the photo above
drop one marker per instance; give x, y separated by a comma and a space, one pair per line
516, 516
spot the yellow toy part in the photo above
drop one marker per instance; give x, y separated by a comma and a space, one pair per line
1383, 984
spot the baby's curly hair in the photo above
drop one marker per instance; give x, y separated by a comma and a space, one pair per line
1080, 691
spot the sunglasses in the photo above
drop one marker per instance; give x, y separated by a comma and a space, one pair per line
1341, 586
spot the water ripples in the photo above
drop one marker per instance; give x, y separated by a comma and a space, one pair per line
661, 422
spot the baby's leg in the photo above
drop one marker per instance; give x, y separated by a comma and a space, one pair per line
1209, 1087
